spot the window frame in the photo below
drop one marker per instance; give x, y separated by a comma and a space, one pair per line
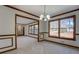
29, 28
49, 29
33, 33
35, 29
59, 19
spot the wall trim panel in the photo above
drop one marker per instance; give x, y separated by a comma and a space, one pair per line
5, 39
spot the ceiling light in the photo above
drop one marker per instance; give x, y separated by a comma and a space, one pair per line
45, 19
48, 16
43, 16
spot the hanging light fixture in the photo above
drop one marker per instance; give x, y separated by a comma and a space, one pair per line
43, 16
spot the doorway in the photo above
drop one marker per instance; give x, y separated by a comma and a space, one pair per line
22, 22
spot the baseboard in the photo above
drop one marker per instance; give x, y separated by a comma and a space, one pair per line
7, 35
60, 43
7, 50
41, 40
32, 36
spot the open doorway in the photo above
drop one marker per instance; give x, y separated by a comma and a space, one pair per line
26, 27
20, 29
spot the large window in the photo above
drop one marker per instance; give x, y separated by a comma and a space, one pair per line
54, 28
67, 28
30, 29
36, 29
33, 29
63, 28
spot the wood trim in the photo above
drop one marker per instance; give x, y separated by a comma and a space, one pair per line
8, 46
74, 32
77, 33
7, 38
15, 31
74, 36
23, 30
61, 43
31, 29
62, 38
32, 36
7, 35
65, 13
43, 32
20, 10
11, 40
58, 28
21, 24
7, 50
38, 31
26, 17
32, 23
17, 15
25, 24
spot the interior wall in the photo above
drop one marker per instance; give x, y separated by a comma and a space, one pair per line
7, 23
42, 26
64, 41
7, 20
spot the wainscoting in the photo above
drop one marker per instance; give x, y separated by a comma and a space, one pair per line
29, 45
7, 43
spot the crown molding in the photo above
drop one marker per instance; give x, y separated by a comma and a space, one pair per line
65, 13
20, 10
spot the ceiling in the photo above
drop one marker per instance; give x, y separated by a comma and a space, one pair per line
21, 20
50, 9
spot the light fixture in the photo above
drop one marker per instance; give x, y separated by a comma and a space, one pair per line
41, 17
44, 16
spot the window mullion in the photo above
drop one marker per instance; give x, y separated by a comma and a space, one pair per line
34, 29
59, 28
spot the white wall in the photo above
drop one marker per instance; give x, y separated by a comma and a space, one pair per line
7, 19
7, 23
42, 26
69, 42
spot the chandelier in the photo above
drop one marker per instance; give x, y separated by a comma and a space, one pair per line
44, 16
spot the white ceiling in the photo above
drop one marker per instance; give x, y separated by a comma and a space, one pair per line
21, 20
50, 9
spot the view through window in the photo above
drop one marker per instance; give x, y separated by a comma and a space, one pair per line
33, 29
66, 28
62, 28
54, 28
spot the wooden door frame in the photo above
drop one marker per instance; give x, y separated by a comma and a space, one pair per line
17, 15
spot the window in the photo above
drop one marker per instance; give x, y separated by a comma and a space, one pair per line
36, 29
63, 28
30, 31
54, 28
67, 28
33, 29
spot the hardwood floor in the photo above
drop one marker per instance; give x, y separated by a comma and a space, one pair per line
28, 45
